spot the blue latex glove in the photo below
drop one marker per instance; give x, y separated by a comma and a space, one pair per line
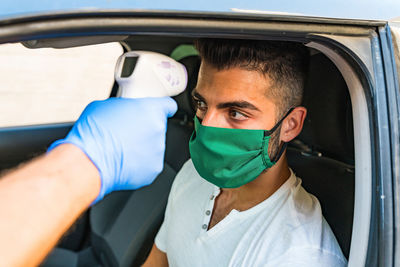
124, 138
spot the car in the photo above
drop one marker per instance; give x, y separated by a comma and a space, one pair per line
348, 154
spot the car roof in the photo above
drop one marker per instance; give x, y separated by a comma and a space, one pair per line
348, 9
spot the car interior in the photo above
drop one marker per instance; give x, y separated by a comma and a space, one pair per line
120, 230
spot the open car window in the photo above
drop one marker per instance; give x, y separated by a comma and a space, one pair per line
334, 155
47, 85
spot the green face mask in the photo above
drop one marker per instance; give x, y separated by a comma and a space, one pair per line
230, 158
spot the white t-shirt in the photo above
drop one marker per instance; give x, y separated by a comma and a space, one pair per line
286, 229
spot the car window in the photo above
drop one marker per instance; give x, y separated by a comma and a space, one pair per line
49, 85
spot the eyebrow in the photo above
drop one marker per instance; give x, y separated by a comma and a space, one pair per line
232, 104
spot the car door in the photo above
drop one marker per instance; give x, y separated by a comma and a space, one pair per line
389, 190
355, 47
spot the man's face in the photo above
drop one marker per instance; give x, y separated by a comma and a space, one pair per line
234, 98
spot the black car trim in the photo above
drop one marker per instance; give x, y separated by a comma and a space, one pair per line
107, 13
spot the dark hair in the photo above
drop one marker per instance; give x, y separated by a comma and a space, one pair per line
285, 63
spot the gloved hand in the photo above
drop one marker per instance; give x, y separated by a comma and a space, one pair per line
124, 138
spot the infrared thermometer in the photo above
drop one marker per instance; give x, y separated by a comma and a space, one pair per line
149, 74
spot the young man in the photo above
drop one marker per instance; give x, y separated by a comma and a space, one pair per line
237, 202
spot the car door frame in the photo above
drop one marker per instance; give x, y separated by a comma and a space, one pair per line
291, 28
389, 190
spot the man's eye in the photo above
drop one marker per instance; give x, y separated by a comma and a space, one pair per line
201, 105
236, 115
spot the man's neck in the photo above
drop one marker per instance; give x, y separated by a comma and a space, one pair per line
250, 194
253, 193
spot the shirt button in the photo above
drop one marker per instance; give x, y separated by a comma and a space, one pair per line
204, 226
208, 212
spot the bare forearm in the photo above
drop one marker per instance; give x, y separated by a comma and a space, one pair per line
41, 200
156, 258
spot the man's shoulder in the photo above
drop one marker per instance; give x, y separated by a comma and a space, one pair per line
301, 215
186, 173
299, 224
188, 179
303, 207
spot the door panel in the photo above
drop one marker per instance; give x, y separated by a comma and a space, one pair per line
18, 144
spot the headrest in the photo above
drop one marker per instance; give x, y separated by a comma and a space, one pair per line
328, 127
184, 100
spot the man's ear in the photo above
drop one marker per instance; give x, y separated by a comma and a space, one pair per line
293, 124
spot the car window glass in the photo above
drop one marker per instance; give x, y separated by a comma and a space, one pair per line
48, 85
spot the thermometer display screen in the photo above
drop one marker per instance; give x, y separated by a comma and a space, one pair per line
129, 66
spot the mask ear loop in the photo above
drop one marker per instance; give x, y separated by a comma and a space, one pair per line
269, 132
283, 147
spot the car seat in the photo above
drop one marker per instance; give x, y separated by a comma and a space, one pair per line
124, 224
323, 154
